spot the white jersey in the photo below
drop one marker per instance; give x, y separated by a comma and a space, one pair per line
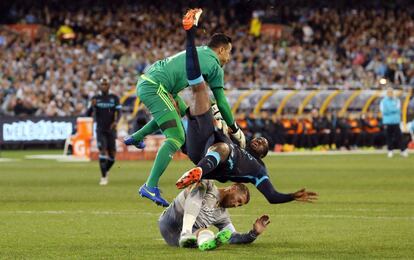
202, 202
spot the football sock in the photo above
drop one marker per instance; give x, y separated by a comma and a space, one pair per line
147, 129
209, 162
109, 163
188, 223
164, 157
102, 165
192, 64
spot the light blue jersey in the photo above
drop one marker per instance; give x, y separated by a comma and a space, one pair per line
391, 111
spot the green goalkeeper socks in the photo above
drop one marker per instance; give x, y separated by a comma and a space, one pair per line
147, 129
164, 156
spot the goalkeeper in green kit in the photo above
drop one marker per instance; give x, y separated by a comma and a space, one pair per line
158, 89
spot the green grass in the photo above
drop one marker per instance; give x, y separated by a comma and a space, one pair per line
55, 210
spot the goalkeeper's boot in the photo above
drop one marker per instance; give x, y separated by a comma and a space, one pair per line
223, 237
191, 18
153, 194
190, 177
188, 241
129, 140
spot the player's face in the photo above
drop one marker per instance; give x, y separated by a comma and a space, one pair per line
104, 87
224, 54
234, 199
260, 146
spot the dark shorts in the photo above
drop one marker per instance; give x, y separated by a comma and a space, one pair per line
200, 136
106, 140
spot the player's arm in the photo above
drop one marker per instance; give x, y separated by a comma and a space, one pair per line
215, 79
259, 227
118, 108
91, 107
275, 197
227, 115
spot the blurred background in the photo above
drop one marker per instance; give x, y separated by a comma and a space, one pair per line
304, 74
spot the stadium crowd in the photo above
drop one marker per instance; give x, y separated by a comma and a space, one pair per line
54, 76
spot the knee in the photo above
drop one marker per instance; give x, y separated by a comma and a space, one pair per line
177, 139
222, 149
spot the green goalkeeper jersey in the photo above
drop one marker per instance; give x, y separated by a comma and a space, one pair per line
171, 72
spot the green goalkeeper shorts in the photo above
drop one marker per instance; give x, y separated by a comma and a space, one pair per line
158, 101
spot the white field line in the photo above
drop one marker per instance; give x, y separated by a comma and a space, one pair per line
131, 212
58, 157
8, 160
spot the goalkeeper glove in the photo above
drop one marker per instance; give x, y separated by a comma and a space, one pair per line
216, 112
238, 135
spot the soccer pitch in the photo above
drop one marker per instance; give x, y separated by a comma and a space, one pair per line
51, 209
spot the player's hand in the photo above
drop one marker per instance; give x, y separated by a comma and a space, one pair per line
216, 112
240, 138
113, 125
261, 223
305, 196
93, 102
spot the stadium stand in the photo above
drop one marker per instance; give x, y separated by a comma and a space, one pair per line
360, 46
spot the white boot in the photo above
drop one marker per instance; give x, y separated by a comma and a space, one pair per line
104, 181
390, 154
404, 153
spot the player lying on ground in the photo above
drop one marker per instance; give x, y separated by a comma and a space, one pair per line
215, 154
162, 82
106, 111
201, 206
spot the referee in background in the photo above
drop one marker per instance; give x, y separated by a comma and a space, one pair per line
106, 111
390, 108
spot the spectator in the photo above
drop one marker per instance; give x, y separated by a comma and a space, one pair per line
390, 108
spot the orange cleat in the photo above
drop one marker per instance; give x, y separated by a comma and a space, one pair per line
190, 177
191, 18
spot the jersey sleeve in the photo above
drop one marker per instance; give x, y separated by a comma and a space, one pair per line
223, 106
236, 238
215, 77
272, 195
243, 238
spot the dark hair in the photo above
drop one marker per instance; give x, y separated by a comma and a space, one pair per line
243, 189
218, 40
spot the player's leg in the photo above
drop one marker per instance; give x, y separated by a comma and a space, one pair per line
172, 129
137, 138
200, 130
103, 158
201, 99
206, 240
169, 228
217, 153
390, 139
168, 120
111, 150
